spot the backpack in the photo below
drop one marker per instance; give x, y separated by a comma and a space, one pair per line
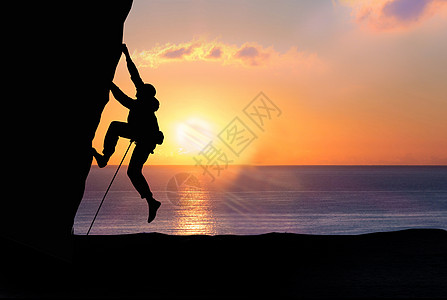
159, 138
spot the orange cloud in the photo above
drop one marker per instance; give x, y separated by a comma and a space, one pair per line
248, 55
388, 15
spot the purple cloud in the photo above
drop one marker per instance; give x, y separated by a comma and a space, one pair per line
247, 52
406, 10
253, 55
396, 14
178, 53
215, 53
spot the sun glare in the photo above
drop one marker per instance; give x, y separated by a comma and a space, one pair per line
193, 134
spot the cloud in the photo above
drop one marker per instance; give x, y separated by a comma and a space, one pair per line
389, 15
252, 55
177, 53
247, 55
405, 10
216, 52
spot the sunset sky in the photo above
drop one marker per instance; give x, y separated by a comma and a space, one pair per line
343, 82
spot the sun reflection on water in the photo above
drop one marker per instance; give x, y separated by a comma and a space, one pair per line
195, 203
197, 217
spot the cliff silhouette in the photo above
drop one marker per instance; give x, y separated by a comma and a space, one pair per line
61, 67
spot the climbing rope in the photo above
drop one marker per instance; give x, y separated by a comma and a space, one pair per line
130, 144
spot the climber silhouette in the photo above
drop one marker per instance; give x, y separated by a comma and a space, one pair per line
141, 127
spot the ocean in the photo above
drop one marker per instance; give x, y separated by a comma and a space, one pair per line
247, 200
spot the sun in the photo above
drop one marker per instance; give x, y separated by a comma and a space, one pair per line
194, 134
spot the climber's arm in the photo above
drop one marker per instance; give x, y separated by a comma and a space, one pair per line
122, 98
134, 75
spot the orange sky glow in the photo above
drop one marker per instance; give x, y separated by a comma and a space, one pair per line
347, 82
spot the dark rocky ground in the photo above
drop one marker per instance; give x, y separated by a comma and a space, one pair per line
403, 264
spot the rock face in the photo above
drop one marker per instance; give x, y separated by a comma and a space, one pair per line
67, 55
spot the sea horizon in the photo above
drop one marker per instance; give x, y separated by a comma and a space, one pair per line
248, 200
